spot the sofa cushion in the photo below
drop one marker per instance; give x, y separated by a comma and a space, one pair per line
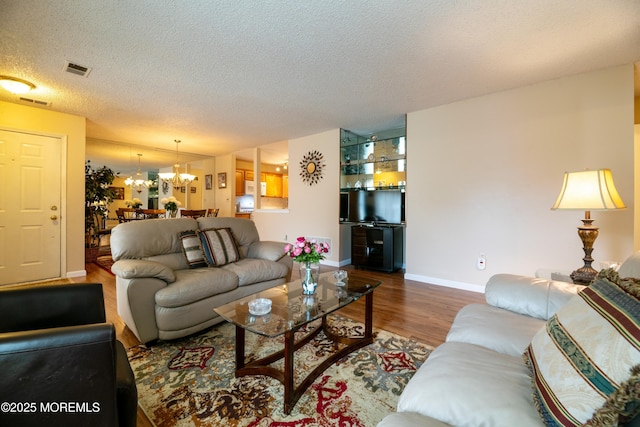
192, 249
148, 238
244, 230
219, 246
581, 362
530, 296
467, 385
250, 270
631, 266
494, 328
196, 284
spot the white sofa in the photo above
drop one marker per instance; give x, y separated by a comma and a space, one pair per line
479, 376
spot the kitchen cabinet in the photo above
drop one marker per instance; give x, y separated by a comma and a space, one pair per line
274, 184
239, 183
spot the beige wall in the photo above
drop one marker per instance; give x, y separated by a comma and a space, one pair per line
19, 117
313, 210
484, 172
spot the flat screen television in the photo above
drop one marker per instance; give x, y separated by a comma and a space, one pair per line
378, 206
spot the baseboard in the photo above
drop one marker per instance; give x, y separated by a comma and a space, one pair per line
79, 273
446, 283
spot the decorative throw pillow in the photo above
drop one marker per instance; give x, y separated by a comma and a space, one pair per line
585, 364
191, 249
219, 246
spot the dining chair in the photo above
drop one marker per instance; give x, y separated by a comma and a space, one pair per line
212, 212
153, 213
194, 213
125, 214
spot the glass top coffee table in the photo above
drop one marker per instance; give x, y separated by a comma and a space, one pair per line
290, 311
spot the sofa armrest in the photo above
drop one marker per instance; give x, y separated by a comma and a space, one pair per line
269, 250
41, 307
49, 366
137, 268
531, 296
136, 305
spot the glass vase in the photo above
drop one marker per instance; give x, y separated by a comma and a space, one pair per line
172, 214
309, 275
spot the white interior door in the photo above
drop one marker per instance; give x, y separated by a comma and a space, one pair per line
30, 232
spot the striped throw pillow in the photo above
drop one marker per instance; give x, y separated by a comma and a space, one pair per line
585, 364
192, 250
219, 246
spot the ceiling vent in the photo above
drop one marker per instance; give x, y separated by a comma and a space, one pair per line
35, 102
78, 70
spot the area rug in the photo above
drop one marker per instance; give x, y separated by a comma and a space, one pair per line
104, 259
190, 382
105, 262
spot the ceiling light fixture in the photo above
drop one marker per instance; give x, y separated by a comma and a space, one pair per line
15, 85
175, 178
138, 184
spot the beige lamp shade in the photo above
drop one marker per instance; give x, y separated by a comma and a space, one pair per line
589, 190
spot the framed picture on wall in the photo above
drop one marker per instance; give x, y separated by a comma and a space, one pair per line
192, 189
222, 180
208, 182
118, 193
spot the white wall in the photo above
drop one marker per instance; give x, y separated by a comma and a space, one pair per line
483, 173
313, 210
225, 198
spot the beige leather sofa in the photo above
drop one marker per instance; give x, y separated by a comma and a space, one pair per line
479, 377
160, 297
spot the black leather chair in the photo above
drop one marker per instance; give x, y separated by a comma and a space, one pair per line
61, 363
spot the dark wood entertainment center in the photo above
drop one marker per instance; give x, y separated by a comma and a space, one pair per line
377, 247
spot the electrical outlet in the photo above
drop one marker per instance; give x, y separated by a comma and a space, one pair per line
482, 262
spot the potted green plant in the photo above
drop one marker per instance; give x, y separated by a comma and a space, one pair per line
98, 194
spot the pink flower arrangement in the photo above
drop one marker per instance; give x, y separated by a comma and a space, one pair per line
305, 251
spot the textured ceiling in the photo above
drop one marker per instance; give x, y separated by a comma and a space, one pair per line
223, 76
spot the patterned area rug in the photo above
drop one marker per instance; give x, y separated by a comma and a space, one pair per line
104, 259
191, 382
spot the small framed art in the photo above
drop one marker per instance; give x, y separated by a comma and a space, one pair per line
222, 180
208, 182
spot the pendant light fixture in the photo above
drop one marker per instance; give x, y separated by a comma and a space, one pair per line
175, 178
138, 184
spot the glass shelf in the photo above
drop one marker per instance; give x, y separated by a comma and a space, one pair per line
380, 188
374, 161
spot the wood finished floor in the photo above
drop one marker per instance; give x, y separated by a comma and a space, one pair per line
411, 309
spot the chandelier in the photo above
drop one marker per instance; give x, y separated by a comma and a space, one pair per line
138, 184
175, 178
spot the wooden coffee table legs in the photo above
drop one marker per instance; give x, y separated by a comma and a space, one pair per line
286, 376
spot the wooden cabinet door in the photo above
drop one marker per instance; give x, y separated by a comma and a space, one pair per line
274, 184
239, 183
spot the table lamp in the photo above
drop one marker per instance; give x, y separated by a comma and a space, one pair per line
588, 190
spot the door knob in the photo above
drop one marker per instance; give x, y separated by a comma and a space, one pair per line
54, 217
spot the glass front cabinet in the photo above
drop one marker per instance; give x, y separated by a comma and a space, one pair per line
377, 161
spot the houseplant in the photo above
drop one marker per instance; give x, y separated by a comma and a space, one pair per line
133, 204
97, 195
171, 205
308, 253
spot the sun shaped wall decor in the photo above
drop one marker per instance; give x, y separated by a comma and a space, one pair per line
311, 167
